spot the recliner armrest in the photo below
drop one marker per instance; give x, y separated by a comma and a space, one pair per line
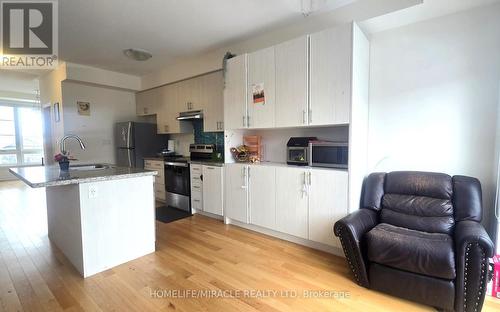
473, 232
350, 230
473, 247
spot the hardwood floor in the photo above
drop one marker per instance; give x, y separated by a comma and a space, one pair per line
193, 254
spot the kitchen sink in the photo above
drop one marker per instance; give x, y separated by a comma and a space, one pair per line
89, 167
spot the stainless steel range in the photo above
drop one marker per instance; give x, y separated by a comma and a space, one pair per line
177, 183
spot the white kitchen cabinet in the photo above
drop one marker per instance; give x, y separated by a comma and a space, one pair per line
292, 83
330, 76
236, 192
292, 201
147, 102
166, 119
235, 93
262, 196
159, 179
189, 94
213, 189
261, 73
328, 202
212, 102
195, 171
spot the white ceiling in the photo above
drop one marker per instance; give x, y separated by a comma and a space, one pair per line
94, 32
429, 9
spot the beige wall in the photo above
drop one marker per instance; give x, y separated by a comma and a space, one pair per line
107, 106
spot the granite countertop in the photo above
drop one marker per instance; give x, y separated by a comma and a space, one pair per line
43, 176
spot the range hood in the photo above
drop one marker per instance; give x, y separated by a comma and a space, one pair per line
190, 115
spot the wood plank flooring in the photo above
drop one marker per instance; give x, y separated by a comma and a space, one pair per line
196, 257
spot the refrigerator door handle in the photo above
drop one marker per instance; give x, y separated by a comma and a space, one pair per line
128, 137
129, 158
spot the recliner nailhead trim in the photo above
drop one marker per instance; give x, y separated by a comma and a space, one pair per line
481, 278
348, 255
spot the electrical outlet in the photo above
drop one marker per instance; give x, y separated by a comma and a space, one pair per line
92, 191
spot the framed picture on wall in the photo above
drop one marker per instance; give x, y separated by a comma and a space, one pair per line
57, 113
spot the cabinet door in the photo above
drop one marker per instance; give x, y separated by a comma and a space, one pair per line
235, 93
330, 76
292, 83
212, 102
261, 76
292, 201
189, 94
196, 187
327, 204
212, 189
166, 122
147, 102
236, 192
262, 196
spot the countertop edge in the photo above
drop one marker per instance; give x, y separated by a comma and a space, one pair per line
84, 180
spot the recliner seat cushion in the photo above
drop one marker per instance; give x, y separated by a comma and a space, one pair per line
424, 253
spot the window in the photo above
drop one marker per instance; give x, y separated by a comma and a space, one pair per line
21, 140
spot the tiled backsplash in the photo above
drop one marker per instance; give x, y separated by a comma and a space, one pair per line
201, 137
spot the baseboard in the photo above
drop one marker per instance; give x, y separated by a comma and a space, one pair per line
298, 240
207, 214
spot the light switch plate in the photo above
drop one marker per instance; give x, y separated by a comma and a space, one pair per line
92, 191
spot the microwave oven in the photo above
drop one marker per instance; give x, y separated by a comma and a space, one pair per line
328, 154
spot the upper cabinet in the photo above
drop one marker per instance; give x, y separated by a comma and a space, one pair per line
291, 82
147, 102
212, 101
235, 93
261, 89
312, 80
330, 76
203, 93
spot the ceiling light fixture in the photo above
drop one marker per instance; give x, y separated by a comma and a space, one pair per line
137, 54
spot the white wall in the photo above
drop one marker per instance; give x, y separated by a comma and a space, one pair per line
107, 106
433, 97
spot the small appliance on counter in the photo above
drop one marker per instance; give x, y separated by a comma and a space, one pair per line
201, 151
297, 150
328, 154
309, 151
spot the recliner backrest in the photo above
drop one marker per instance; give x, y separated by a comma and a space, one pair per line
423, 201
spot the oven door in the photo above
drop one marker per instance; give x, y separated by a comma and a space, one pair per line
177, 178
297, 155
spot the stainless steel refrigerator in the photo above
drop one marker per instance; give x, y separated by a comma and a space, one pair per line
134, 141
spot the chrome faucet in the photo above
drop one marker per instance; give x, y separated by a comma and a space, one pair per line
62, 144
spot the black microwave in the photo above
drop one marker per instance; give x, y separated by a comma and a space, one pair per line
328, 154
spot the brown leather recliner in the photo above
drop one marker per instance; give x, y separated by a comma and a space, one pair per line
418, 236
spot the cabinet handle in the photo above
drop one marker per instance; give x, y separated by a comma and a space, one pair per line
304, 121
221, 125
310, 116
211, 168
166, 128
310, 178
304, 185
244, 121
248, 121
244, 171
196, 200
145, 110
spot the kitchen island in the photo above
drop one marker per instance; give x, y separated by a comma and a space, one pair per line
98, 217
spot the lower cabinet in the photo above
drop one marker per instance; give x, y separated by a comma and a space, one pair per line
262, 196
207, 188
292, 201
159, 181
328, 202
302, 202
236, 192
212, 189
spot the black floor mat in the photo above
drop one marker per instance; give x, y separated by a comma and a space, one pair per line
168, 214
